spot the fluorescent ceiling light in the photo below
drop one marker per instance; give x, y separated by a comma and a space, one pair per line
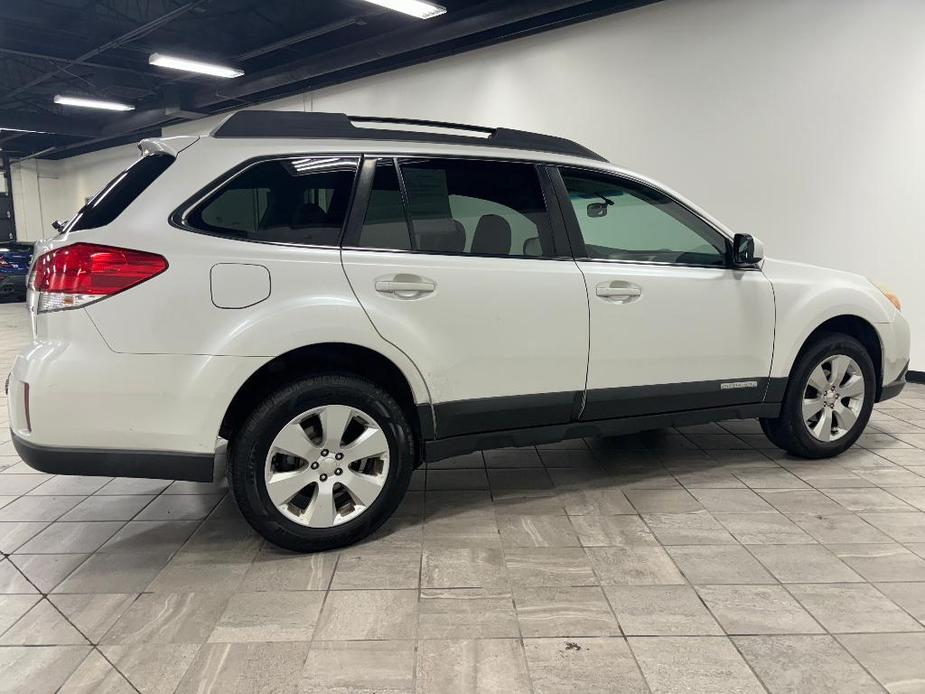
92, 103
188, 65
416, 8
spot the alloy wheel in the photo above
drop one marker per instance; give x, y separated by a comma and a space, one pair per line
833, 398
327, 466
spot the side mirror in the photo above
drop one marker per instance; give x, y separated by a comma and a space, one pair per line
746, 250
58, 225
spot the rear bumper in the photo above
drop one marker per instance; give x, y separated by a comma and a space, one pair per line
193, 467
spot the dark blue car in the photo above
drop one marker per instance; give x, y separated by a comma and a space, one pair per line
14, 268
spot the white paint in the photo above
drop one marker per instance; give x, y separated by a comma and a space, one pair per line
799, 122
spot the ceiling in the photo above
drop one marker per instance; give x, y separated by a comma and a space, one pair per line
100, 49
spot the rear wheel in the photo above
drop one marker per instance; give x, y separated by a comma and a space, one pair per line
322, 463
829, 398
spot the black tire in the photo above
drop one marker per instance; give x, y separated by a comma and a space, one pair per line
248, 452
789, 431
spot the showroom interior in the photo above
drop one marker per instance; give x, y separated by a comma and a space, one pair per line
683, 558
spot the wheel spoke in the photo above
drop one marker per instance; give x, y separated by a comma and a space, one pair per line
811, 407
823, 428
844, 417
818, 379
282, 486
334, 421
839, 368
293, 440
363, 488
853, 388
371, 443
320, 513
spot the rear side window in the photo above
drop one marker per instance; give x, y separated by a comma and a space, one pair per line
460, 206
299, 200
111, 201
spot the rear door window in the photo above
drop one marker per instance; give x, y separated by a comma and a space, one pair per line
120, 192
295, 200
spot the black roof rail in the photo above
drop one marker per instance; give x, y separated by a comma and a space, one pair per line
296, 124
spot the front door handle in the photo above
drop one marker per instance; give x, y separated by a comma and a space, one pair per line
618, 292
405, 286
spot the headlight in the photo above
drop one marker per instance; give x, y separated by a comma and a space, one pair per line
891, 297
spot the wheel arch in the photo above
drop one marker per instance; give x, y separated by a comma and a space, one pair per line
329, 356
860, 329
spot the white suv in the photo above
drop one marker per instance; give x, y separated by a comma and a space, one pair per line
342, 300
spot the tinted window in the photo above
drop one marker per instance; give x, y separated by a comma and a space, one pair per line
109, 203
624, 220
386, 225
478, 207
301, 201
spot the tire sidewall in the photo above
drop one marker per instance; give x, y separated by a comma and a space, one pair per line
793, 405
247, 464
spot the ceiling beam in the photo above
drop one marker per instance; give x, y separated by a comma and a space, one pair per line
47, 123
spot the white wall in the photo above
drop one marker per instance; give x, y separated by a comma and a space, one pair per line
799, 121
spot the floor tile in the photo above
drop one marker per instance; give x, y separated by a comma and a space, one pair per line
838, 528
873, 499
764, 529
457, 479
76, 485
894, 659
537, 531
564, 611
544, 566
584, 502
662, 500
882, 562
167, 618
43, 669
95, 675
511, 478
43, 625
512, 457
718, 564
852, 608
661, 611
46, 571
177, 507
128, 485
377, 568
909, 596
800, 664
634, 565
356, 615
13, 607
15, 534
801, 501
129, 573
702, 664
804, 564
70, 538
902, 527
482, 665
265, 617
153, 668
107, 508
598, 664
161, 537
331, 666
458, 613
752, 609
695, 528
464, 568
608, 531
38, 508
731, 500
244, 668
278, 569
17, 485
92, 615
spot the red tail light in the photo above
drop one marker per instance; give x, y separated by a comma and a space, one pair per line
76, 275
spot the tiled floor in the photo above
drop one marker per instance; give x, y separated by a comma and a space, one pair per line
700, 560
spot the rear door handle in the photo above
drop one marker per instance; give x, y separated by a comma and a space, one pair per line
619, 292
405, 287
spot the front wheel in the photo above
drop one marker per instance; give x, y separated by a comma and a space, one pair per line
322, 463
829, 398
